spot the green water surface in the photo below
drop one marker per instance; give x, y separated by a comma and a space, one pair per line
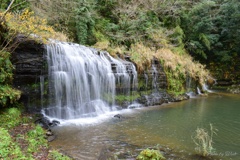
169, 125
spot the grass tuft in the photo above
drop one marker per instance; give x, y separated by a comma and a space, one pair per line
203, 140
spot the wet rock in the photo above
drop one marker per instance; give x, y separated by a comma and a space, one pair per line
125, 104
135, 105
49, 133
51, 138
119, 116
46, 123
43, 122
181, 97
106, 153
54, 123
224, 82
151, 100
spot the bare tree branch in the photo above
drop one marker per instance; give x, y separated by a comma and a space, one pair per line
8, 9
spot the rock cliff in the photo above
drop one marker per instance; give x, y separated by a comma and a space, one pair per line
31, 77
30, 65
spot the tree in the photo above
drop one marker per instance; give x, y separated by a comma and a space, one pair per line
211, 35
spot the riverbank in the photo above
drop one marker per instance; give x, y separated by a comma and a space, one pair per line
116, 138
21, 138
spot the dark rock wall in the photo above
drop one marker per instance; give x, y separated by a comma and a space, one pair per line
153, 79
30, 64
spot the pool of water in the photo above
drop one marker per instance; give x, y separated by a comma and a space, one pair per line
171, 126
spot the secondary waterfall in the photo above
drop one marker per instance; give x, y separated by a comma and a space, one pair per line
83, 82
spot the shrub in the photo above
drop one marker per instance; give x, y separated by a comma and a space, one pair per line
177, 65
10, 118
7, 93
148, 154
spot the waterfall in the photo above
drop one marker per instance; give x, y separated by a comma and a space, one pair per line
205, 88
42, 89
199, 91
83, 81
155, 78
188, 83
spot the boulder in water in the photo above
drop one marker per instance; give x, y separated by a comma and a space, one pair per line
119, 116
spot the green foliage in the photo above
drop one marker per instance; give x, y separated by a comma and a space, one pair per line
85, 20
201, 18
10, 118
211, 33
55, 155
207, 29
203, 38
9, 149
175, 81
7, 93
18, 5
6, 68
32, 136
148, 154
36, 139
121, 98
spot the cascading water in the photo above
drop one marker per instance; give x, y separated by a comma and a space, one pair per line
83, 81
155, 78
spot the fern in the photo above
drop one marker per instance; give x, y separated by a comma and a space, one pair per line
205, 41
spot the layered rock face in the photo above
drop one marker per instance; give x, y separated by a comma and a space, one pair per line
30, 67
152, 85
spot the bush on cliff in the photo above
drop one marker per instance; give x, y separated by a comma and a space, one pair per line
11, 25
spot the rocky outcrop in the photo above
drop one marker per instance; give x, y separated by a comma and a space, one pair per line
30, 66
153, 79
152, 86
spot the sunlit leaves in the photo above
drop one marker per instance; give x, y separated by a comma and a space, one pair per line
29, 24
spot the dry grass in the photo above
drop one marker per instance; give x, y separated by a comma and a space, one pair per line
141, 55
183, 64
203, 140
178, 64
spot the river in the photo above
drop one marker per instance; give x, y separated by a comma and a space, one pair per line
169, 127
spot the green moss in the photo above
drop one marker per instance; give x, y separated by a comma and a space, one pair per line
121, 98
10, 118
55, 155
37, 86
175, 83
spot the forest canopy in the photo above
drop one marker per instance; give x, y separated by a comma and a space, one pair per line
208, 30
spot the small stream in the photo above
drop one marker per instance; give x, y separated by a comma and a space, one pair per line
169, 127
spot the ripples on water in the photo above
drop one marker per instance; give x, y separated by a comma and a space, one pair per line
170, 125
